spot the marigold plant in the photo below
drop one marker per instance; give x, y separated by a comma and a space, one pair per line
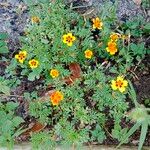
88, 54
97, 23
114, 37
68, 39
119, 84
35, 19
76, 57
112, 48
54, 73
56, 97
33, 63
21, 56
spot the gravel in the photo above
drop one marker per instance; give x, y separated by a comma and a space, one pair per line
13, 18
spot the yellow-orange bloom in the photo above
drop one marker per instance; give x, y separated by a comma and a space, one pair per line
114, 37
54, 73
56, 97
21, 56
112, 48
68, 39
35, 19
88, 54
119, 84
33, 63
97, 23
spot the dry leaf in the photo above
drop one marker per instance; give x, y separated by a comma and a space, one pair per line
75, 70
69, 80
75, 73
36, 127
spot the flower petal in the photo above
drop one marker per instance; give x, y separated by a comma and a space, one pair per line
16, 56
113, 85
125, 83
69, 43
122, 89
69, 34
24, 53
73, 38
120, 78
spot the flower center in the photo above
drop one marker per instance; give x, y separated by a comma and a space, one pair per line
119, 83
33, 63
21, 56
69, 39
112, 47
97, 23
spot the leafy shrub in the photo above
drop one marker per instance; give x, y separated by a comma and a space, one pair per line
3, 44
85, 61
9, 124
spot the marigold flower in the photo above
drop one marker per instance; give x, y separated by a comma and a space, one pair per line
112, 48
97, 23
33, 63
35, 19
119, 84
54, 73
114, 37
56, 97
68, 39
21, 56
88, 54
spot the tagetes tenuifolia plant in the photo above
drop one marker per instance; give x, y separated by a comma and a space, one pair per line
35, 19
33, 63
54, 73
56, 97
21, 56
111, 48
68, 39
97, 23
88, 54
114, 37
119, 84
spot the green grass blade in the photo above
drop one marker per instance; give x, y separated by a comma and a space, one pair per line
143, 134
130, 132
132, 93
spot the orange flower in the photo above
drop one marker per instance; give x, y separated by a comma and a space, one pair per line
112, 48
35, 19
54, 73
88, 54
114, 37
97, 23
21, 56
33, 63
56, 97
119, 84
68, 39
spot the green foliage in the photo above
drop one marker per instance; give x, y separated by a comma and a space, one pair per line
9, 124
141, 118
42, 141
82, 108
3, 44
89, 102
4, 88
40, 110
145, 4
98, 134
